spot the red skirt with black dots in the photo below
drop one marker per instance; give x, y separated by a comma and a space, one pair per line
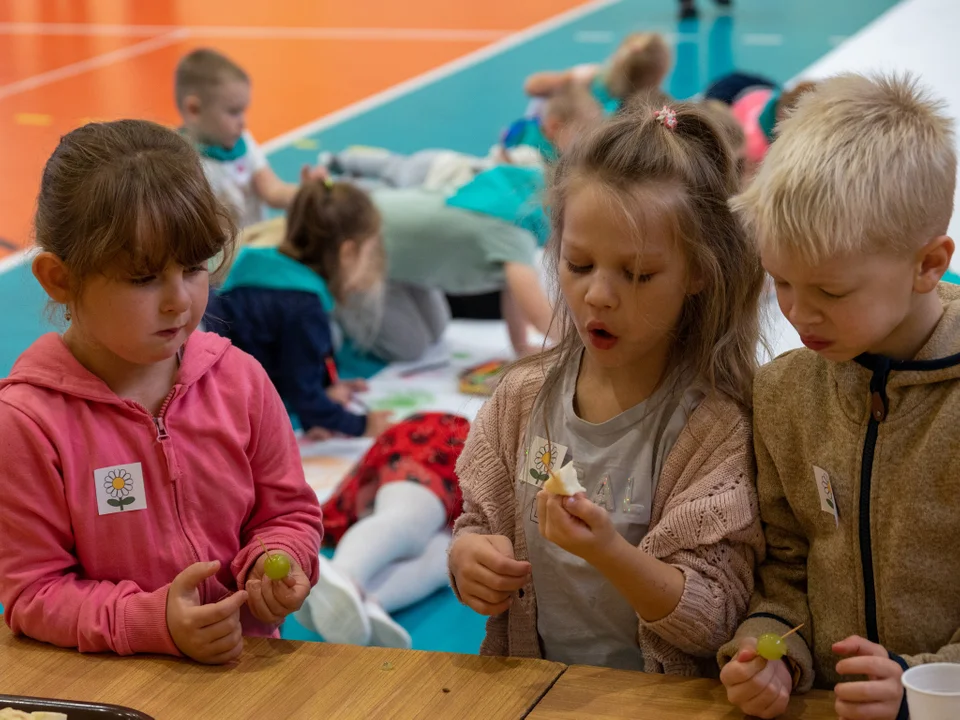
423, 449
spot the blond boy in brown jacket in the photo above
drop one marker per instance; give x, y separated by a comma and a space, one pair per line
854, 436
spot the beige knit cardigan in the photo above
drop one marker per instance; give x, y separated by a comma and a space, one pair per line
704, 521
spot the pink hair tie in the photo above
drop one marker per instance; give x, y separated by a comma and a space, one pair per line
667, 117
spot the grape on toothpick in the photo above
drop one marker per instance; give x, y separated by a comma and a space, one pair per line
771, 646
276, 566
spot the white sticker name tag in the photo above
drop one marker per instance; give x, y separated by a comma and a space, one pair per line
542, 457
828, 503
120, 489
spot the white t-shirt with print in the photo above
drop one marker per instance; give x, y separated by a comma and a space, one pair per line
582, 619
232, 182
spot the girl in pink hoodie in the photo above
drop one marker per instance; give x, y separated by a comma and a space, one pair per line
144, 463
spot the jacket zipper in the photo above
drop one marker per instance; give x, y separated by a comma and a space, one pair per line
878, 413
163, 437
161, 429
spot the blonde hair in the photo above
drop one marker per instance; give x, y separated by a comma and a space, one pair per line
862, 164
788, 98
690, 172
573, 104
201, 71
644, 64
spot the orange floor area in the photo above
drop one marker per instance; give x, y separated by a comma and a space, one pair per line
64, 63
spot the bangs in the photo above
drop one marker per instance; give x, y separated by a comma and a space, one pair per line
171, 216
649, 210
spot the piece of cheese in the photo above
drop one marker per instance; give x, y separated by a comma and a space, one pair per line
564, 481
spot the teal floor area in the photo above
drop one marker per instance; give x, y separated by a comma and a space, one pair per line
465, 111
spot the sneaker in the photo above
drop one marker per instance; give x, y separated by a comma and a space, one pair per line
384, 630
334, 609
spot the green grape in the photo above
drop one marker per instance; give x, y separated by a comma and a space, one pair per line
276, 567
771, 646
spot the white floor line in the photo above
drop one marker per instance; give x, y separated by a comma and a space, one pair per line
78, 68
256, 32
439, 73
15, 260
763, 39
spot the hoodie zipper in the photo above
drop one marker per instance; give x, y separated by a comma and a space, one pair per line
163, 437
879, 407
161, 429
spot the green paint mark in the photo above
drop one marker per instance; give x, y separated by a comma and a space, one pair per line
402, 401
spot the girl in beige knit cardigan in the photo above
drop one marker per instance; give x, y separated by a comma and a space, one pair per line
646, 398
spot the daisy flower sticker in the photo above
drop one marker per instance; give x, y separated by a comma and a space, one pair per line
119, 484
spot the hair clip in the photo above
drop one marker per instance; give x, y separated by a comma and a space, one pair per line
667, 117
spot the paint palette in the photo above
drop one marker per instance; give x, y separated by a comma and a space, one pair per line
482, 379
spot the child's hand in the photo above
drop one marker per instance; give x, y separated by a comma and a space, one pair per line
342, 393
271, 601
308, 173
486, 572
210, 634
879, 696
318, 434
378, 421
758, 687
575, 524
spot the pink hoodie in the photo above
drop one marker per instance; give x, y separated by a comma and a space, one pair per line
81, 567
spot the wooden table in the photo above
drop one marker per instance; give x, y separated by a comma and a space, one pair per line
284, 680
601, 694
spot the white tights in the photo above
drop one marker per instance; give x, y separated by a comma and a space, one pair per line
398, 553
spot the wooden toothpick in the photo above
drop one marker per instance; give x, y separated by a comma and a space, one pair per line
784, 637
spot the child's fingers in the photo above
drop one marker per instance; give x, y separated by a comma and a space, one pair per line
856, 645
775, 708
291, 597
761, 695
274, 605
259, 608
486, 593
868, 691
213, 613
739, 673
872, 666
485, 577
487, 608
228, 656
226, 644
219, 630
503, 565
579, 507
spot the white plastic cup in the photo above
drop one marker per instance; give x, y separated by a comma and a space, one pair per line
933, 691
